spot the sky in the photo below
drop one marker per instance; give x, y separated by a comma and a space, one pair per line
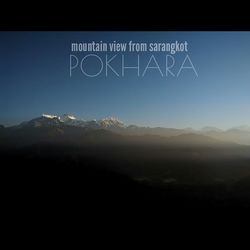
35, 79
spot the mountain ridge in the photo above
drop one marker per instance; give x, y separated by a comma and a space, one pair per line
239, 135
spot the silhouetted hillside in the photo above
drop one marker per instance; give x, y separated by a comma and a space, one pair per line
80, 177
58, 163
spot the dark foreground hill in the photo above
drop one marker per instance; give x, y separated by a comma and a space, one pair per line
78, 167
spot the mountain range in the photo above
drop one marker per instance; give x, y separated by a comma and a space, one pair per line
68, 124
69, 120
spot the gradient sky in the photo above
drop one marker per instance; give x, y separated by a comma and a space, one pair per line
34, 79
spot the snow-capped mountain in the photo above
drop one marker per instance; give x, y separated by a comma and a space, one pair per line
111, 122
106, 123
67, 118
43, 121
70, 120
50, 116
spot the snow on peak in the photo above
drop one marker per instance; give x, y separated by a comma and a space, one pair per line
49, 116
106, 123
67, 117
111, 122
113, 119
71, 117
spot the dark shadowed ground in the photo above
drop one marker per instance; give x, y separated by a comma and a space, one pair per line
126, 175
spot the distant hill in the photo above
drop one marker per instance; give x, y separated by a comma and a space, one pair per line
35, 132
232, 135
192, 139
63, 134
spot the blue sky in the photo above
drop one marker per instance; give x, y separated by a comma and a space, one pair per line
35, 79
